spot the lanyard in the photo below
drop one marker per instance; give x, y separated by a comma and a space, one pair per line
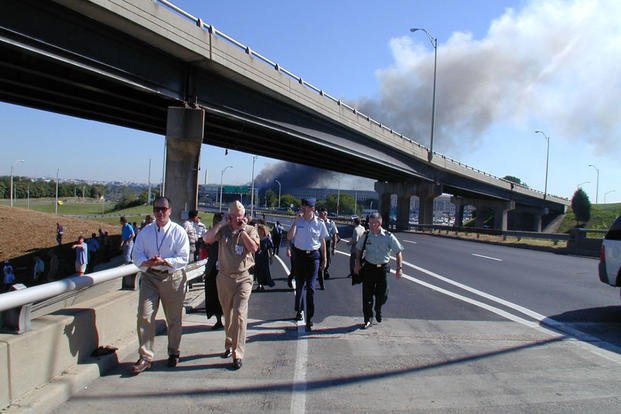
158, 244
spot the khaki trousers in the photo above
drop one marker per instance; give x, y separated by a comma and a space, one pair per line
170, 290
234, 295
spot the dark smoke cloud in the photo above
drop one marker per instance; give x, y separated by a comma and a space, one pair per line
293, 176
553, 62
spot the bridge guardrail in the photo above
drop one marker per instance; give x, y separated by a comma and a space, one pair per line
577, 239
16, 305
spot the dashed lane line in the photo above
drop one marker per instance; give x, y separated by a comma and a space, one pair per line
298, 393
487, 257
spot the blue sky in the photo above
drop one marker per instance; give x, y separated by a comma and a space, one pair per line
505, 69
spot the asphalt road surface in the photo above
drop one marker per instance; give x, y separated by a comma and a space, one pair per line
470, 328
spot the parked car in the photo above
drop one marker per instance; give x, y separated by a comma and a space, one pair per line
610, 255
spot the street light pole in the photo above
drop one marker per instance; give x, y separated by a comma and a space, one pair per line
606, 193
221, 176
545, 191
12, 167
597, 182
254, 158
149, 182
56, 203
434, 43
278, 182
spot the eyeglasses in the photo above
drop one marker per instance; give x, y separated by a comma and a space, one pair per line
160, 209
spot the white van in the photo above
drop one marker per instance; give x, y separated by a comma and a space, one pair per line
610, 255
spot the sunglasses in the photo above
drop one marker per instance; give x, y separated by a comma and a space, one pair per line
160, 209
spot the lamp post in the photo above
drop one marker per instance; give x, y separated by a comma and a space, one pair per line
12, 167
580, 185
606, 193
597, 182
545, 191
254, 158
221, 176
149, 183
434, 43
279, 187
56, 203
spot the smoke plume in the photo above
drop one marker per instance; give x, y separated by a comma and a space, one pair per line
292, 176
553, 62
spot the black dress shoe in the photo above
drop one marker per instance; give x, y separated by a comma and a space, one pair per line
227, 353
141, 365
172, 360
217, 325
367, 324
298, 316
378, 317
237, 363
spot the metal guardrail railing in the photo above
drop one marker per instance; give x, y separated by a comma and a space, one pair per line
274, 65
575, 234
16, 305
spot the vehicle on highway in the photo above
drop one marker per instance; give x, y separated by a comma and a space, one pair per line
610, 255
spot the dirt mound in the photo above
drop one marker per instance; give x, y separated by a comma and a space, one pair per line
26, 233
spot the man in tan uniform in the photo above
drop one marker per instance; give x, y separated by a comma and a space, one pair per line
237, 244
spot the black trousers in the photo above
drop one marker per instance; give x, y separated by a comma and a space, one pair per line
306, 268
374, 290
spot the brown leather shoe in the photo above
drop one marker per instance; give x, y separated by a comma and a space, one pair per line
141, 365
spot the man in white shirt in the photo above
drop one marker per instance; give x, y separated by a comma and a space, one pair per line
355, 236
161, 251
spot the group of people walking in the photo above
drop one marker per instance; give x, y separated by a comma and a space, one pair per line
236, 250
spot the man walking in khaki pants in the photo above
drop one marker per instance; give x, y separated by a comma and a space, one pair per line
161, 251
237, 244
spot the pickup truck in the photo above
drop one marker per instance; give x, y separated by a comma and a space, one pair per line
610, 255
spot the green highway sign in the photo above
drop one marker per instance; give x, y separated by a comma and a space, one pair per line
235, 189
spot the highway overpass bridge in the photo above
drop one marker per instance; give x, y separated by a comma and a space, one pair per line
150, 66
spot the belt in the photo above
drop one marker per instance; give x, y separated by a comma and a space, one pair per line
305, 251
377, 265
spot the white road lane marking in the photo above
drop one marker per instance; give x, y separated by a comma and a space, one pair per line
298, 393
543, 323
409, 241
487, 257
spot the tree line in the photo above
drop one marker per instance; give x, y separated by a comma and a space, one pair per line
126, 195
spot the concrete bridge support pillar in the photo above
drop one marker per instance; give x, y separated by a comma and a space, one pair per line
184, 136
459, 210
403, 211
384, 207
501, 209
426, 192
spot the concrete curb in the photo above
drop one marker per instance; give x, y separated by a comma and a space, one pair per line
48, 397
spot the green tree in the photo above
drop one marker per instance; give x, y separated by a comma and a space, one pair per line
581, 206
287, 200
514, 180
344, 202
271, 198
